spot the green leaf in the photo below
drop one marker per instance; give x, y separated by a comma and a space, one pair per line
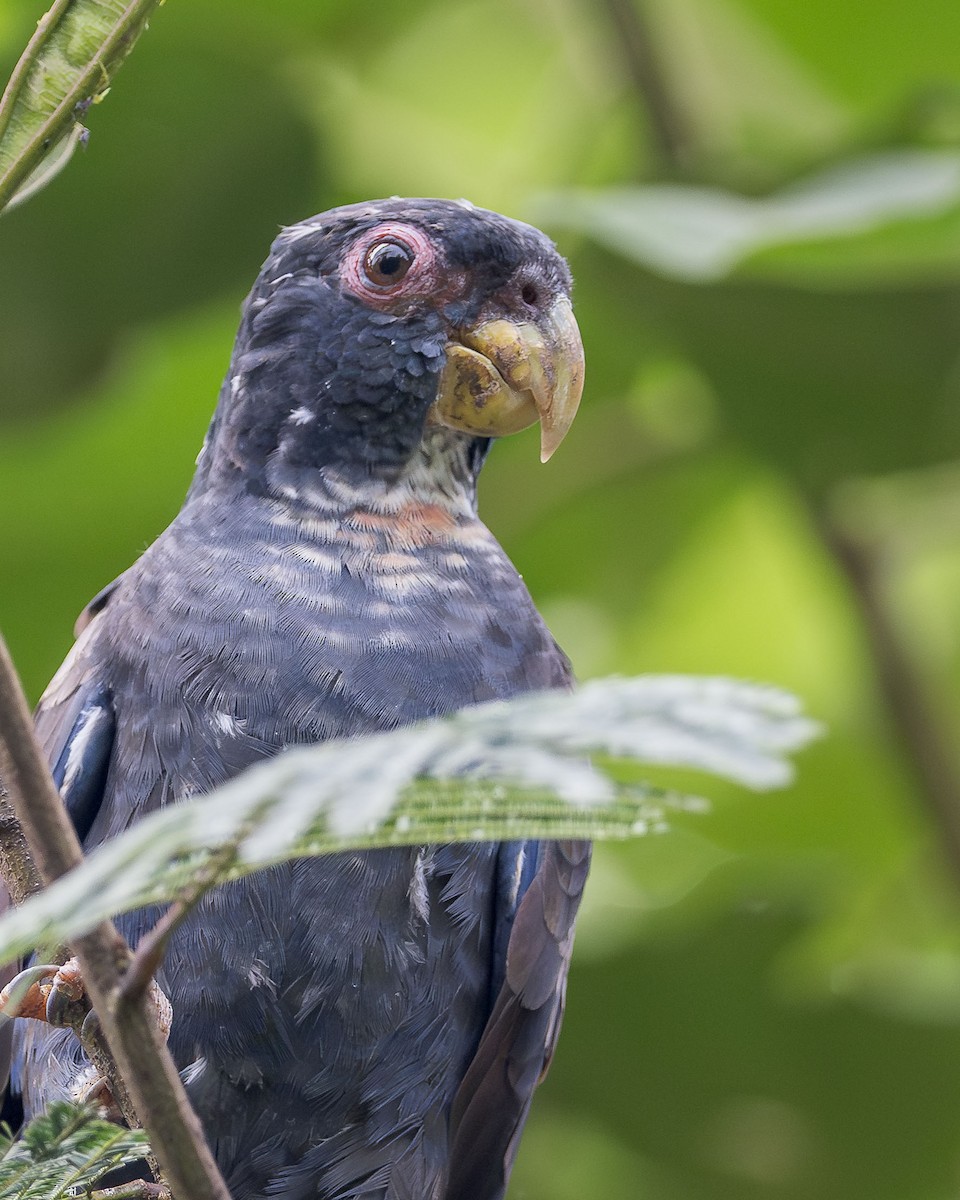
67, 65
892, 217
67, 1147
498, 771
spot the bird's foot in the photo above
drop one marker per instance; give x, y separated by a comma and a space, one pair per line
56, 994
92, 1087
47, 992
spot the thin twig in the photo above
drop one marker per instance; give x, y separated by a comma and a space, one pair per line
667, 123
152, 946
913, 716
149, 954
144, 1069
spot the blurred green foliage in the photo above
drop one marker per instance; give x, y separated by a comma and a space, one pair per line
765, 1004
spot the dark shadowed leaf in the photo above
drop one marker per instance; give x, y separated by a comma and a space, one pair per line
66, 1148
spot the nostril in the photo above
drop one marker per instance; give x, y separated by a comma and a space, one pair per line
529, 294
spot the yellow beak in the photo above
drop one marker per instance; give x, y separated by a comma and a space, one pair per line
504, 375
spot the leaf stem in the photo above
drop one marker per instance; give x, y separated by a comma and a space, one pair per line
100, 1154
45, 26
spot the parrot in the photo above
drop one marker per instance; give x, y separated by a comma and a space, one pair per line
360, 1025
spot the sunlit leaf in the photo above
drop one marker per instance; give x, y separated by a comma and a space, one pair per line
498, 771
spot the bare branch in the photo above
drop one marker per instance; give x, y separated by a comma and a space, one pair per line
138, 1190
662, 115
913, 716
17, 867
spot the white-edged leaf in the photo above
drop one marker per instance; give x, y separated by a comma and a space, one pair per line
504, 770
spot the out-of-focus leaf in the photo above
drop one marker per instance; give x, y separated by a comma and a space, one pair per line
82, 278
662, 872
755, 107
512, 769
538, 104
822, 385
873, 57
887, 218
572, 1158
67, 65
103, 479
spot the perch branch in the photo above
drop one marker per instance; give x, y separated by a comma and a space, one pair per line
146, 1081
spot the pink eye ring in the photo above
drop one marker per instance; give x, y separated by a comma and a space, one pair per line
392, 261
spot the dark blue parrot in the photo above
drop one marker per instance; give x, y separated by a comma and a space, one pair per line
364, 1025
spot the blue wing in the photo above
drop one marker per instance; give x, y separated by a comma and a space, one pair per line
80, 769
539, 889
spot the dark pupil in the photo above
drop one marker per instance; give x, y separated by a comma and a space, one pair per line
387, 263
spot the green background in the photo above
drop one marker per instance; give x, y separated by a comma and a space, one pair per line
765, 1001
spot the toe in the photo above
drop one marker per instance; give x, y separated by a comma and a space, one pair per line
26, 994
66, 989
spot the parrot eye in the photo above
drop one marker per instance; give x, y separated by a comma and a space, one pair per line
386, 263
390, 265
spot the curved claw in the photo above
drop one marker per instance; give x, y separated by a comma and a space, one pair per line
24, 996
66, 989
43, 992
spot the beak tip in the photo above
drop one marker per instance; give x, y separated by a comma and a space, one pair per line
504, 374
549, 440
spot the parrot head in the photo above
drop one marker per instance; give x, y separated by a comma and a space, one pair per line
378, 328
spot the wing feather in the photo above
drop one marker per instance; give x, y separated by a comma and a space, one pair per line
517, 1043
